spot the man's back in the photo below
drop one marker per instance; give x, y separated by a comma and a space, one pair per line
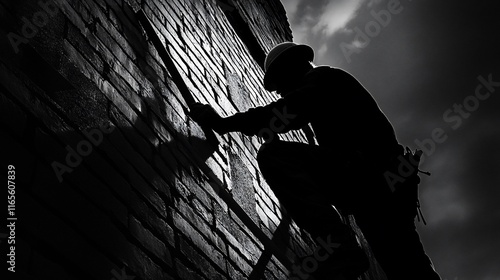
343, 114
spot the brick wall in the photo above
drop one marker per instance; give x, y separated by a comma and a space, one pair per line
113, 179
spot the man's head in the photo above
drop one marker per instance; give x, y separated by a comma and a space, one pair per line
285, 64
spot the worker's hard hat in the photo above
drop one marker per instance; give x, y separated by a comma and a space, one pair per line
286, 50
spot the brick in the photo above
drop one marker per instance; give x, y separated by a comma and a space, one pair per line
74, 16
240, 248
202, 264
76, 38
197, 221
186, 273
239, 262
270, 215
125, 84
277, 269
216, 170
198, 240
149, 241
110, 28
203, 211
152, 221
262, 215
236, 274
143, 267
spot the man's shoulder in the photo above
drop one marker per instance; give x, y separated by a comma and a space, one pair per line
327, 75
325, 70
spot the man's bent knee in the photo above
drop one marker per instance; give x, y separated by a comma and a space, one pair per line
268, 152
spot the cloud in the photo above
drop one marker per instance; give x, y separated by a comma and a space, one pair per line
318, 22
322, 18
323, 50
336, 15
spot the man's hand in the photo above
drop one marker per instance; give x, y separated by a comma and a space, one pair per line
205, 116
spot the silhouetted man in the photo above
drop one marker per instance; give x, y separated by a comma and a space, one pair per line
356, 166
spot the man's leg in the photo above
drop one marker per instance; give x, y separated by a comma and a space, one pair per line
397, 248
393, 238
301, 177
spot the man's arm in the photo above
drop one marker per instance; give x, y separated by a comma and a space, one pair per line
289, 113
249, 123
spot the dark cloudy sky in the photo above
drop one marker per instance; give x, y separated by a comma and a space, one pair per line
423, 67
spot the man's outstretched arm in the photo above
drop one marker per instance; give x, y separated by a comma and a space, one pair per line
274, 116
249, 122
291, 112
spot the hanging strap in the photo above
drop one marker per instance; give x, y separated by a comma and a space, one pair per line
419, 213
416, 156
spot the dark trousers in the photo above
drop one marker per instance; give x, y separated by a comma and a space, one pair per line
308, 180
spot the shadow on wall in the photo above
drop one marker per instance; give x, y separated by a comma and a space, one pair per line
115, 202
